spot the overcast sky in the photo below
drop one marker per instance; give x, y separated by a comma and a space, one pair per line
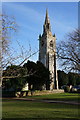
30, 19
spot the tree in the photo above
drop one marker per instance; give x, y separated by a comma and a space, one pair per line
78, 79
69, 51
7, 55
8, 26
36, 74
43, 74
62, 78
68, 78
74, 78
39, 75
14, 77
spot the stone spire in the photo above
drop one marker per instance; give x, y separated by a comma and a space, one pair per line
47, 53
47, 26
47, 18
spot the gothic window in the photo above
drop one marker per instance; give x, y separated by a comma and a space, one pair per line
51, 43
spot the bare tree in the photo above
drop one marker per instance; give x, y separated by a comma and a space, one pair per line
7, 54
68, 51
8, 25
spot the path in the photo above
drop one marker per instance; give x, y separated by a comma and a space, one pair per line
48, 101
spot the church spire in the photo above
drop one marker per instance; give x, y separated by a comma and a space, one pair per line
47, 26
47, 18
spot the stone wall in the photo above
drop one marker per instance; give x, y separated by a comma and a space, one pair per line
45, 92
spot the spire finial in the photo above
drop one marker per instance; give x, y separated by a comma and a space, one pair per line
47, 26
46, 12
47, 18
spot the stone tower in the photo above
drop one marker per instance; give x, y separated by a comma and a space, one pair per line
47, 52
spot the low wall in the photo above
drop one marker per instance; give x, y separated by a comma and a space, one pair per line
45, 92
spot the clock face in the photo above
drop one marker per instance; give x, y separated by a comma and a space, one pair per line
51, 43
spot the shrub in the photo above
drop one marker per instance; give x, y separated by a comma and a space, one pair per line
66, 89
8, 93
78, 91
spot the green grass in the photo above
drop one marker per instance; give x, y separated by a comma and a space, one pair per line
24, 109
59, 96
30, 109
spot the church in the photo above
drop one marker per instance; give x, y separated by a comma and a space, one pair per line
47, 52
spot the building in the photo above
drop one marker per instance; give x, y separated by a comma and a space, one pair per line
47, 52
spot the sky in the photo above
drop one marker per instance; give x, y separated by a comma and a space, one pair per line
40, 0
30, 18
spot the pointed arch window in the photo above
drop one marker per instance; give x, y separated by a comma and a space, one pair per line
51, 43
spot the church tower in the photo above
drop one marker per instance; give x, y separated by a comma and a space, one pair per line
47, 52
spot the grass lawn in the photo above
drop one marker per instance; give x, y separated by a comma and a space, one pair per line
29, 109
75, 97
